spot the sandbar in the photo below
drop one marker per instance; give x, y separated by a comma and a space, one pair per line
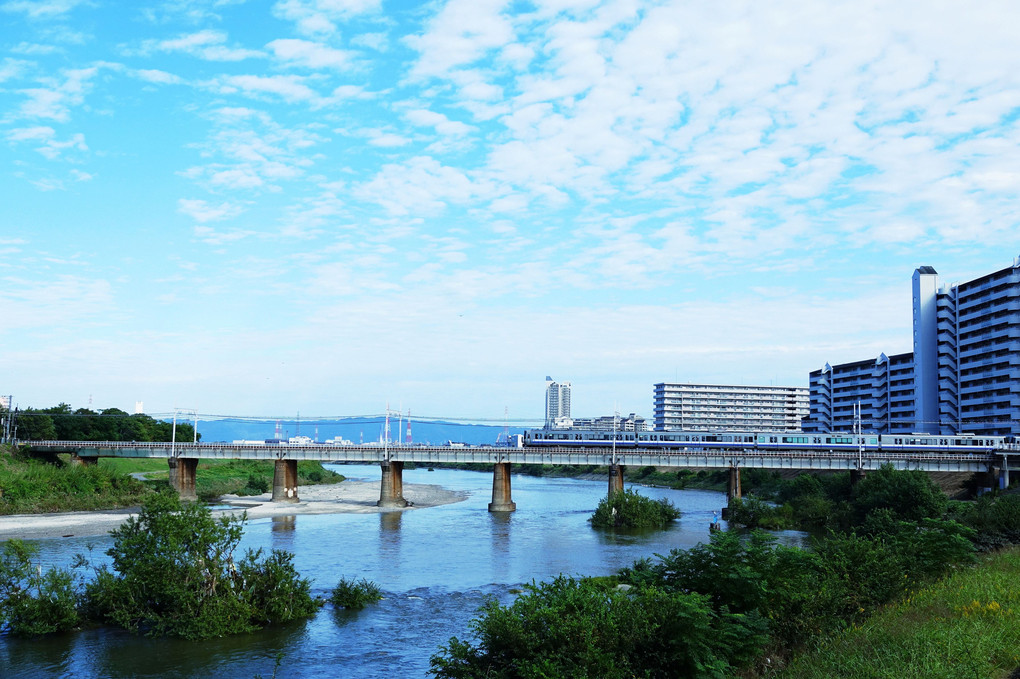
352, 497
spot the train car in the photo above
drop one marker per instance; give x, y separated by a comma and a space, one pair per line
695, 439
817, 441
966, 443
578, 437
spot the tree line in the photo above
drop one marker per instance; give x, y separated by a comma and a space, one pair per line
62, 423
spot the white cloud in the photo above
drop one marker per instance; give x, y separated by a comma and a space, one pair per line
203, 212
306, 54
208, 44
55, 101
461, 33
41, 9
290, 88
440, 122
157, 76
319, 17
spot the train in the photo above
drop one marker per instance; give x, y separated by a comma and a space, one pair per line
763, 441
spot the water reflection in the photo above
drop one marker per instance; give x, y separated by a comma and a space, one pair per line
284, 523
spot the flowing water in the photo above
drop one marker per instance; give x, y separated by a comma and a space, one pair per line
436, 566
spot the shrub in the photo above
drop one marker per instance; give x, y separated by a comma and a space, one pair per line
629, 509
173, 574
752, 512
355, 594
34, 602
581, 628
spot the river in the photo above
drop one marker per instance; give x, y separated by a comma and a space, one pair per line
436, 566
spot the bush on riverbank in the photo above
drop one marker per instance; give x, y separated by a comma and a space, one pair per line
174, 574
584, 628
629, 509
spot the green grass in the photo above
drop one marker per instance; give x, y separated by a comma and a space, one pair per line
29, 486
32, 485
967, 625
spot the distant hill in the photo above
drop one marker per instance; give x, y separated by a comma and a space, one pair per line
356, 430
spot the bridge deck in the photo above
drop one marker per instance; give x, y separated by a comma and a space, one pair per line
791, 458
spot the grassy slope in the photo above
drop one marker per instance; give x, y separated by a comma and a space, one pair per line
967, 625
30, 485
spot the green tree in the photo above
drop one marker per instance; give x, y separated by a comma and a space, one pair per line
908, 495
34, 425
174, 574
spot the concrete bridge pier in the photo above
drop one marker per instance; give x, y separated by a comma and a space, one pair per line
855, 476
285, 481
501, 500
733, 483
615, 478
182, 476
77, 460
391, 490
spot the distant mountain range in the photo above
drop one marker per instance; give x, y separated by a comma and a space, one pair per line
356, 430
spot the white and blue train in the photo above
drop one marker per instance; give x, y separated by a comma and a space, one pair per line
764, 441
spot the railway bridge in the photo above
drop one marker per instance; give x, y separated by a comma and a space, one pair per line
183, 459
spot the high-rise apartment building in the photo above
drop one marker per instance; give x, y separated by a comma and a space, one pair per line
714, 407
962, 377
557, 404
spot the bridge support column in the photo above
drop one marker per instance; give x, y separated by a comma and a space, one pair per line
855, 476
615, 478
501, 500
285, 481
989, 481
391, 490
76, 460
182, 476
733, 483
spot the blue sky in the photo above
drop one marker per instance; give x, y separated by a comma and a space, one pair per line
323, 206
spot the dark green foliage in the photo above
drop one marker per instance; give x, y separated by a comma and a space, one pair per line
355, 594
994, 518
572, 628
629, 509
111, 424
909, 495
174, 574
33, 601
752, 512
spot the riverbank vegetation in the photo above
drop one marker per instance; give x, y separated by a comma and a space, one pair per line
743, 605
629, 509
31, 485
34, 484
173, 573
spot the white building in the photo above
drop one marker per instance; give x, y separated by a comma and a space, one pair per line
557, 404
717, 407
